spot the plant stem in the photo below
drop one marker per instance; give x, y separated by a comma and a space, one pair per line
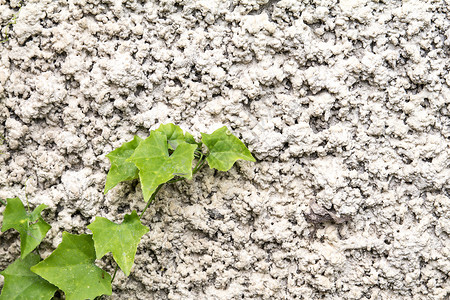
12, 22
151, 199
199, 165
4, 203
176, 180
115, 272
140, 216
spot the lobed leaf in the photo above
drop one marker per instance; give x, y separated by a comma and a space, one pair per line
156, 166
122, 170
224, 149
174, 134
31, 227
71, 268
189, 138
120, 239
21, 283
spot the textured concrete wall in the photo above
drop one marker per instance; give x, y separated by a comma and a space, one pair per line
345, 105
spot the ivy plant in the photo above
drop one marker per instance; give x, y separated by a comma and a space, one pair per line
31, 227
4, 35
167, 155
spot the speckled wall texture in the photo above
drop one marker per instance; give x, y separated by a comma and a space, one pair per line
345, 105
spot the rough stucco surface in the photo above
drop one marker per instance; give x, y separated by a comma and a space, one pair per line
345, 105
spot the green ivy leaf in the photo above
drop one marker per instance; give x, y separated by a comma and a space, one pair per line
122, 170
174, 134
31, 226
21, 283
71, 268
120, 239
224, 149
156, 166
189, 138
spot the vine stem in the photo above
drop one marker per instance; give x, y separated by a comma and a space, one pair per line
197, 167
151, 199
112, 279
12, 22
115, 272
140, 216
200, 164
175, 180
4, 203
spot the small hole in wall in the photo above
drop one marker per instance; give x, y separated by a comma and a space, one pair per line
323, 143
122, 208
318, 124
105, 208
59, 209
407, 161
287, 84
425, 103
179, 7
314, 155
177, 82
28, 40
139, 90
293, 221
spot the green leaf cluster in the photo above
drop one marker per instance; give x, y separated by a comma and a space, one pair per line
71, 267
20, 281
167, 155
31, 227
169, 152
